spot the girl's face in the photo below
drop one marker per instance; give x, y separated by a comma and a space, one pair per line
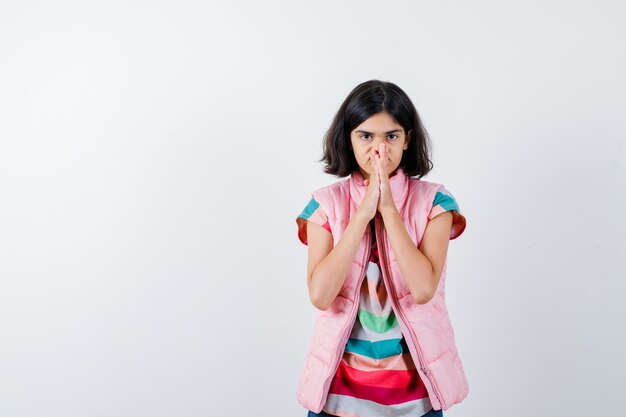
379, 128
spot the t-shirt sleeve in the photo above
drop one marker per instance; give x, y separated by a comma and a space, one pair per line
445, 201
314, 213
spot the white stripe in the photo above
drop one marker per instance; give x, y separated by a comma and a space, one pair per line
371, 302
337, 404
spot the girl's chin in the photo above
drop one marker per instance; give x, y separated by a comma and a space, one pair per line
370, 168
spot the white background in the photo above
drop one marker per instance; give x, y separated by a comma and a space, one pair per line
154, 157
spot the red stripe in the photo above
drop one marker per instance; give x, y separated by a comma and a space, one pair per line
384, 378
383, 387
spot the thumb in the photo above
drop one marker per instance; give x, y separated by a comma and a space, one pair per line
366, 182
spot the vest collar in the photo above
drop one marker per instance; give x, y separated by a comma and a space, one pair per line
399, 183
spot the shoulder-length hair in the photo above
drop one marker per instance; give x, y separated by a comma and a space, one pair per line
365, 100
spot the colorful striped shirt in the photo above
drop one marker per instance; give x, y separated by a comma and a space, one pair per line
376, 375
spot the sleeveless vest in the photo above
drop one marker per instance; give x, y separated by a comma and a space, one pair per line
426, 327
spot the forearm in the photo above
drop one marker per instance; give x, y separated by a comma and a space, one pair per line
330, 275
414, 266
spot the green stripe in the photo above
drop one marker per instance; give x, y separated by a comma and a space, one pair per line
377, 324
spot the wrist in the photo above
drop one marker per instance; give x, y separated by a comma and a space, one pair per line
360, 218
387, 212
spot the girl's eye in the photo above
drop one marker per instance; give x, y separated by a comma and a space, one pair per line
365, 136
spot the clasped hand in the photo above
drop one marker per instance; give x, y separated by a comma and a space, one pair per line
378, 194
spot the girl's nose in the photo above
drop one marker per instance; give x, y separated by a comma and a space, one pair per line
376, 146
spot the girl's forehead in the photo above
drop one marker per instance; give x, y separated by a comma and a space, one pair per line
379, 128
379, 122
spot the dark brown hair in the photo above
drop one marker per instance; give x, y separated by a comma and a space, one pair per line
365, 100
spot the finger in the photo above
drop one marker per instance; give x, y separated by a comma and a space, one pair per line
380, 165
383, 163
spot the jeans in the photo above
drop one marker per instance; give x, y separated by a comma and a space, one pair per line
431, 413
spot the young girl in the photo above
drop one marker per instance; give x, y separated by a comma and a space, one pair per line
383, 344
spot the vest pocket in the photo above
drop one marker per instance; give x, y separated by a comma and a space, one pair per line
450, 378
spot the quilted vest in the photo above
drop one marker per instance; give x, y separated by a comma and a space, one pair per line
426, 327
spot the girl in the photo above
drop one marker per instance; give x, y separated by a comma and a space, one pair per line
383, 344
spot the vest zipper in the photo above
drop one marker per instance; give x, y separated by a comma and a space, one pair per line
400, 312
348, 327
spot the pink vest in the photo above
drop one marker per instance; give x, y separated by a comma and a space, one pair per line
426, 327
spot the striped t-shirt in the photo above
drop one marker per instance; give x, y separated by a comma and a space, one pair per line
376, 375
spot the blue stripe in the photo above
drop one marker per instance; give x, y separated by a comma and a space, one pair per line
377, 350
446, 201
309, 209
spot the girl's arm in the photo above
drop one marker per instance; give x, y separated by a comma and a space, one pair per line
327, 266
421, 267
